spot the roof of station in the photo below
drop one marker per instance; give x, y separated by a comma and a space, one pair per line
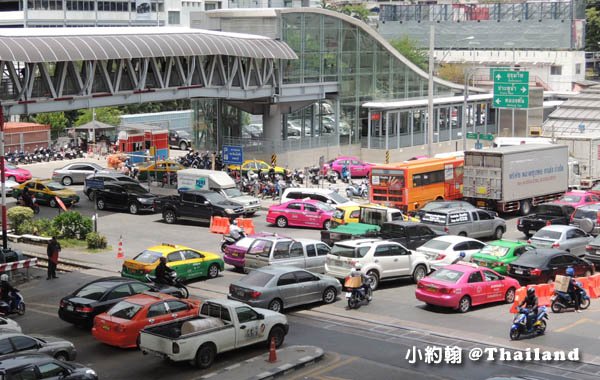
419, 103
34, 45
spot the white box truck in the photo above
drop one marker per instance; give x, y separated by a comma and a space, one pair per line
221, 182
585, 149
515, 178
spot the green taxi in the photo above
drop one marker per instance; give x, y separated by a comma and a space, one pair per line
499, 253
46, 191
187, 262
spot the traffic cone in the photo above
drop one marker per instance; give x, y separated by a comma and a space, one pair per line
272, 352
120, 254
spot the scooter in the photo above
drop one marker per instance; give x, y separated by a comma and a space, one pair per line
357, 296
519, 325
346, 175
331, 176
175, 287
229, 240
562, 301
18, 304
358, 190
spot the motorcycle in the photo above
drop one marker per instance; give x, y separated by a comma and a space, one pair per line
346, 175
229, 240
34, 206
519, 326
331, 176
358, 190
356, 296
298, 176
17, 307
561, 301
175, 286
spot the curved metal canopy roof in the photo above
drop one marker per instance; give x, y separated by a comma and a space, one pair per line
34, 45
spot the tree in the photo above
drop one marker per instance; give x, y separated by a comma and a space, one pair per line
592, 33
108, 115
358, 11
452, 72
57, 120
408, 48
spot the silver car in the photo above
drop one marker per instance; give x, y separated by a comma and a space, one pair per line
474, 223
76, 172
307, 254
20, 343
277, 288
8, 325
566, 238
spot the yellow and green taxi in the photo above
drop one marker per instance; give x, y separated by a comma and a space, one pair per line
256, 166
156, 170
189, 263
344, 215
45, 192
498, 254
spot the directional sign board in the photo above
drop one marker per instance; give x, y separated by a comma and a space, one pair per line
511, 89
233, 154
480, 136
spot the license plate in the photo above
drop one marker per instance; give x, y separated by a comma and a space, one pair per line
69, 307
235, 254
432, 289
518, 271
483, 263
107, 328
348, 294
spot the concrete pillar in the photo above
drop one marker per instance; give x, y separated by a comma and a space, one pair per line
272, 123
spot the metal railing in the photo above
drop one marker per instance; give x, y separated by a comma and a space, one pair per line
264, 146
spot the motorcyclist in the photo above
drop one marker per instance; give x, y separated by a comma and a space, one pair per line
531, 303
345, 173
235, 231
574, 290
356, 272
6, 290
461, 257
27, 197
162, 272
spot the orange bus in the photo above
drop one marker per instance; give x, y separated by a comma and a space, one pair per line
409, 185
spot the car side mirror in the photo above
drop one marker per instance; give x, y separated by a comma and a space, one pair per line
261, 316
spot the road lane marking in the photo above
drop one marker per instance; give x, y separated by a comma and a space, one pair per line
319, 371
41, 312
303, 374
574, 324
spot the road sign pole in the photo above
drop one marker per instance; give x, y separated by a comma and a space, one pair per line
3, 186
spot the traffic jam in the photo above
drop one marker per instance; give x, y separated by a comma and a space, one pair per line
438, 222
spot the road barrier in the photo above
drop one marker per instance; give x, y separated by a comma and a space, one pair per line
247, 225
23, 264
219, 225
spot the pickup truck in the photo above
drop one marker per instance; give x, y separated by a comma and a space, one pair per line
412, 235
196, 205
544, 214
222, 325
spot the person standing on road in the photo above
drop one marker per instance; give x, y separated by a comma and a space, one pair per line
52, 251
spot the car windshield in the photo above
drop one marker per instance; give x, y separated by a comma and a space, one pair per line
570, 198
495, 250
338, 214
233, 192
432, 206
436, 244
324, 206
530, 259
9, 166
54, 186
183, 134
345, 251
447, 275
125, 310
337, 198
147, 257
547, 234
214, 197
134, 187
91, 292
256, 278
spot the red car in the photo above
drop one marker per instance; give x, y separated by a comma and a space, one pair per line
460, 286
120, 326
357, 167
301, 213
16, 174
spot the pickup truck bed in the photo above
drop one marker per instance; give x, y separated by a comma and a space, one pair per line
547, 213
174, 330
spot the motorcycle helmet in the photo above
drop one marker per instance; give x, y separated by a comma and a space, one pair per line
530, 291
462, 254
570, 272
4, 277
358, 266
234, 222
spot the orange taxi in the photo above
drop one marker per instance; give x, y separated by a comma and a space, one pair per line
121, 325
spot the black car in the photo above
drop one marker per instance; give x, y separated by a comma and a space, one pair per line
541, 265
410, 234
81, 306
125, 196
104, 176
196, 205
41, 366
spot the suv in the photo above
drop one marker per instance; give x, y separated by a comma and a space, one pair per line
125, 196
380, 260
104, 176
587, 218
180, 139
475, 223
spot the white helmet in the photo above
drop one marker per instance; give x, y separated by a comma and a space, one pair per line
234, 222
358, 266
4, 277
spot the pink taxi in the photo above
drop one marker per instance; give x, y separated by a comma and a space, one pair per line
460, 286
358, 168
301, 213
16, 174
578, 198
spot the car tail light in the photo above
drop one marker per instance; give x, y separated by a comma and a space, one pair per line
255, 294
54, 174
556, 245
83, 309
549, 223
64, 304
446, 290
440, 256
598, 218
175, 348
420, 285
535, 272
587, 248
231, 289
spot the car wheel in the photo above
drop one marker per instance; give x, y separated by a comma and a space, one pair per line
134, 208
12, 178
67, 181
462, 233
281, 222
62, 356
169, 216
374, 279
498, 233
100, 204
52, 203
464, 304
276, 305
327, 225
213, 271
329, 295
91, 195
419, 272
278, 334
205, 356
509, 297
183, 145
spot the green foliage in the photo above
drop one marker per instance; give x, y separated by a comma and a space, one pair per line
592, 29
358, 11
452, 72
108, 115
95, 241
58, 122
44, 227
173, 105
72, 225
408, 48
20, 219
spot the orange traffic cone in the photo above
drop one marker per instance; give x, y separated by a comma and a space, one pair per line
272, 352
120, 254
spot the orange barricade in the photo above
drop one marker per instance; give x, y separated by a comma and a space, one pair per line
585, 282
219, 225
544, 293
247, 225
519, 297
594, 286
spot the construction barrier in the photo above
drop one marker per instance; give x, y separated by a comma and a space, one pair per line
219, 225
520, 295
594, 286
9, 267
247, 225
544, 293
585, 283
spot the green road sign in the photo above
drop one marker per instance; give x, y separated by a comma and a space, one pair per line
482, 136
472, 135
511, 89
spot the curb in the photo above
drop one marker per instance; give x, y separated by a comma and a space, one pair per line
283, 369
64, 261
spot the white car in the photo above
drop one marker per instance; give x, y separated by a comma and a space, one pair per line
380, 260
443, 250
8, 325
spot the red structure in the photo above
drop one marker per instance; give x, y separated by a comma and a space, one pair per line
25, 136
137, 143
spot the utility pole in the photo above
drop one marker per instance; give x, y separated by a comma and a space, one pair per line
430, 92
3, 184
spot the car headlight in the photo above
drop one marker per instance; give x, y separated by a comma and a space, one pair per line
90, 372
229, 211
145, 200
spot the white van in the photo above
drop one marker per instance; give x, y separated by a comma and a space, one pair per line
221, 182
323, 195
